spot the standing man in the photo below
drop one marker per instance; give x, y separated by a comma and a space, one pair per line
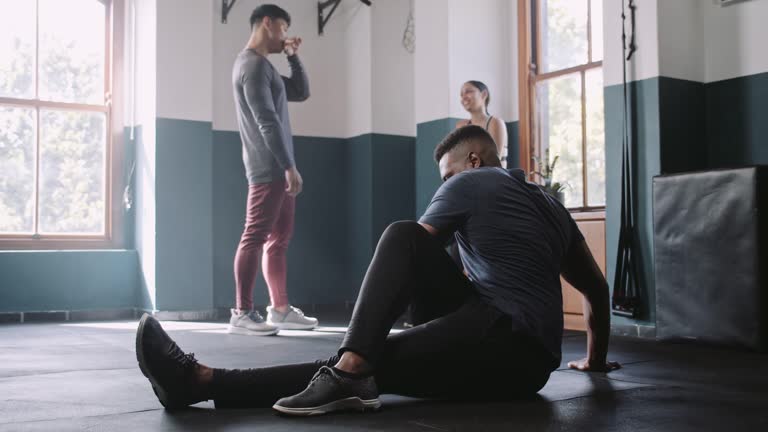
261, 99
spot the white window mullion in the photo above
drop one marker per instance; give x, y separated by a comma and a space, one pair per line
36, 212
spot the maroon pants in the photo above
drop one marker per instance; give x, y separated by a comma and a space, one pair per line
268, 230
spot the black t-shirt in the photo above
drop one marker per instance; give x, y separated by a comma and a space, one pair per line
512, 237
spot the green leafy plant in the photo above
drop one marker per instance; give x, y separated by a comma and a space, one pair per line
545, 170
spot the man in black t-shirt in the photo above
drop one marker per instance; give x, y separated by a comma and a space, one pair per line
492, 333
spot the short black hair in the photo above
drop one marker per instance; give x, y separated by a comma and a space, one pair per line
271, 11
462, 135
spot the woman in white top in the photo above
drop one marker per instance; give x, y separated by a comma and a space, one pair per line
475, 98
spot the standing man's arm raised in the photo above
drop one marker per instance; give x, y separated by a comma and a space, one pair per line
297, 85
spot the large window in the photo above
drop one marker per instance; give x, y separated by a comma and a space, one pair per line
563, 83
55, 120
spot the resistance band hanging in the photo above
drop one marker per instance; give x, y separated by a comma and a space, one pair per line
626, 299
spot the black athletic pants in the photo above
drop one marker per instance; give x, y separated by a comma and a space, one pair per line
459, 348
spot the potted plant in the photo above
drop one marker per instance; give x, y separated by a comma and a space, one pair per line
545, 170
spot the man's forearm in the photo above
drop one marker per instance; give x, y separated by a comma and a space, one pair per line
297, 86
271, 133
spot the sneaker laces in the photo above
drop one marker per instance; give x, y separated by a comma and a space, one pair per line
186, 360
297, 311
324, 370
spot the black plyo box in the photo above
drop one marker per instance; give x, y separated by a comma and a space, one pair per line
710, 242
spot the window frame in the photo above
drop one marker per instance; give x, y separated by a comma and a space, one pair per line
529, 51
114, 236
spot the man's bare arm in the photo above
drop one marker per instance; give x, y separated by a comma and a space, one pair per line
581, 271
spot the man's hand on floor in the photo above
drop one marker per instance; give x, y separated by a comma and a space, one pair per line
585, 365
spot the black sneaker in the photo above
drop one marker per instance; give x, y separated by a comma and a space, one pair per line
169, 369
328, 391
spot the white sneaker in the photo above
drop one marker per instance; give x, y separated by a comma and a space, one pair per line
250, 324
293, 319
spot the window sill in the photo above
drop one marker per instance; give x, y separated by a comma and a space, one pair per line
586, 215
105, 250
22, 244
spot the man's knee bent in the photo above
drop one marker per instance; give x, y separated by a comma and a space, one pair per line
403, 229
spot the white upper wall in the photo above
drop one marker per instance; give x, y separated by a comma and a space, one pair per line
512, 110
479, 51
462, 40
696, 40
142, 35
324, 57
355, 19
184, 58
142, 81
735, 37
645, 62
343, 72
362, 79
703, 41
681, 39
392, 70
432, 89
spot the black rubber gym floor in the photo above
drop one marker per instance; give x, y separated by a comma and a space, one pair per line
84, 376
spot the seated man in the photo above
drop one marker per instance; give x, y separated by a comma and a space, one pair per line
493, 333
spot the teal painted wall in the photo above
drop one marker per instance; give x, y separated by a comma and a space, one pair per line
679, 126
427, 176
184, 215
513, 144
360, 239
393, 184
142, 216
354, 188
381, 190
682, 128
646, 139
67, 280
73, 280
737, 121
332, 239
229, 195
317, 272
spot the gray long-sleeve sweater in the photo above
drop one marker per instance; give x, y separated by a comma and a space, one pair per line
261, 99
